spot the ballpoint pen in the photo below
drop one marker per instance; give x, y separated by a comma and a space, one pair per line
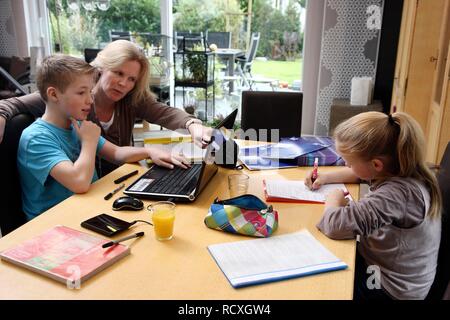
112, 243
125, 177
109, 195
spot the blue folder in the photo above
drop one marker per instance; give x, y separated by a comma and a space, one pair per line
302, 152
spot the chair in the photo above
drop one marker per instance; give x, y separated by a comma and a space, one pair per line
271, 110
244, 64
442, 279
14, 76
90, 54
116, 35
12, 216
220, 39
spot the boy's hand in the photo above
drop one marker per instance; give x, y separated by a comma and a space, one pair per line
336, 198
320, 180
87, 131
166, 159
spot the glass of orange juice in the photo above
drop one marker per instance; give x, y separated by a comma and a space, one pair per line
163, 217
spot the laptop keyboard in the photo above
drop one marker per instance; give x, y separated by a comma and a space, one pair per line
172, 181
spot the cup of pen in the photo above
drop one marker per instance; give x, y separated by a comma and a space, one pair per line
163, 218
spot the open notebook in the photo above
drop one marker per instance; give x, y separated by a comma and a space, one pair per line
297, 191
251, 262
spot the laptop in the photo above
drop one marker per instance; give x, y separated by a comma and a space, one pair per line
178, 184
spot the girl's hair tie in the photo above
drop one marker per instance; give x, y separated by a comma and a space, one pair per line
391, 120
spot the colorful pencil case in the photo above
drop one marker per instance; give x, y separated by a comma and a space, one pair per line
246, 215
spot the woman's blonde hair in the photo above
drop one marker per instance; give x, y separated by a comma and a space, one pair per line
397, 140
120, 51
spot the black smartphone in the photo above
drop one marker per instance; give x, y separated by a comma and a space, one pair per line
106, 225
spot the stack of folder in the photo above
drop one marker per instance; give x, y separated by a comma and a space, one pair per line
292, 152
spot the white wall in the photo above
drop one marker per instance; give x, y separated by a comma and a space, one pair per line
311, 62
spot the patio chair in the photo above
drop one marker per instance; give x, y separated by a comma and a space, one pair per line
220, 39
244, 64
119, 35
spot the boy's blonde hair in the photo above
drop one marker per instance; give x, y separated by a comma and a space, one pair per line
60, 71
397, 140
120, 51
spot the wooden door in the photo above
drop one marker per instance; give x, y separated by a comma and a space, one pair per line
423, 60
438, 129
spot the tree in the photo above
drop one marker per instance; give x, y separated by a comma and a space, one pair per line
129, 15
199, 16
72, 30
272, 24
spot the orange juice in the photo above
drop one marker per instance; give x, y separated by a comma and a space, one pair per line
163, 220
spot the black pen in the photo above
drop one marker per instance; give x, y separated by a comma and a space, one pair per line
109, 195
112, 243
125, 177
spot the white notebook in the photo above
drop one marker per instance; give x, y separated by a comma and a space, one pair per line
276, 258
297, 191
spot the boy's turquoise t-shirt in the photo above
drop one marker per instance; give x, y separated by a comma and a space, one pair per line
41, 147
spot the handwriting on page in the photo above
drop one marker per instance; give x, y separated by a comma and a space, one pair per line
298, 190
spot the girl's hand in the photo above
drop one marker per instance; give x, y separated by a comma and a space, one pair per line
336, 198
166, 159
321, 180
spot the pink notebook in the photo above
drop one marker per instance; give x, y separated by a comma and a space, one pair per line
65, 254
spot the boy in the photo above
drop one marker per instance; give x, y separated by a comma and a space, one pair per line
56, 155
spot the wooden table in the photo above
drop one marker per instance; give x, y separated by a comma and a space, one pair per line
181, 268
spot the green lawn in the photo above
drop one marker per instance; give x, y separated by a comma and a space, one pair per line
281, 70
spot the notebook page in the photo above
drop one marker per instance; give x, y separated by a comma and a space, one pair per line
269, 259
298, 190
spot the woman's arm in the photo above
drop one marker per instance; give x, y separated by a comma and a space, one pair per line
159, 113
31, 104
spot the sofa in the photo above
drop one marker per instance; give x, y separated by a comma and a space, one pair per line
19, 69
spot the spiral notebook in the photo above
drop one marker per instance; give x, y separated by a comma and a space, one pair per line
293, 255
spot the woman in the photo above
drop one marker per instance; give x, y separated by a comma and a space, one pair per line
121, 95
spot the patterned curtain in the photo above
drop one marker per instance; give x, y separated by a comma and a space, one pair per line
350, 39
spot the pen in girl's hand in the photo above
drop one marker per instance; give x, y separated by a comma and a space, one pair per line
316, 167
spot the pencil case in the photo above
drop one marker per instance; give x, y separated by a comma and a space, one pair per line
247, 215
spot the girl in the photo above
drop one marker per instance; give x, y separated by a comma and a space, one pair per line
399, 220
